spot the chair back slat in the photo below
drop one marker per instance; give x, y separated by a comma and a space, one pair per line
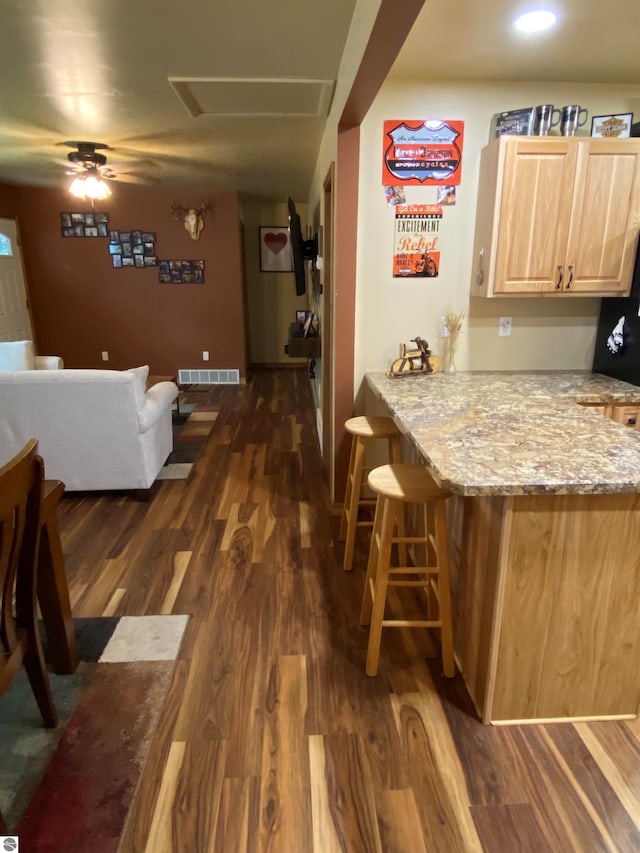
20, 497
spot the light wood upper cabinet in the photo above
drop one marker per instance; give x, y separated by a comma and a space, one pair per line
557, 216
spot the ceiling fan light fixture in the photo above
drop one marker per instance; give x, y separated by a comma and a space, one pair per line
90, 187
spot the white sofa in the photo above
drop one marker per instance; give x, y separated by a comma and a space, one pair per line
21, 355
97, 429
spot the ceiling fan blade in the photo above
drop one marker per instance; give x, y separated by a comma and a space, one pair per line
133, 178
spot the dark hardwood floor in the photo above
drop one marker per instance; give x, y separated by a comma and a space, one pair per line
273, 737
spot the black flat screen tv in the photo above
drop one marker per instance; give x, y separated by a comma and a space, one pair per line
301, 250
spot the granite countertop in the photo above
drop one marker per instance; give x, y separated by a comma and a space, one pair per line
498, 433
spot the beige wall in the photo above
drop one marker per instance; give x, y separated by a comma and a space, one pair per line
546, 333
271, 296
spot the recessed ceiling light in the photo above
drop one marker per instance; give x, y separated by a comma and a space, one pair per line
533, 22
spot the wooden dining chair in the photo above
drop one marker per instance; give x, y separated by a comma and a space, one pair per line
20, 500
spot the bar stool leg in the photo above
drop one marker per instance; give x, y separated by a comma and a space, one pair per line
388, 513
395, 456
348, 492
351, 511
444, 591
395, 449
372, 564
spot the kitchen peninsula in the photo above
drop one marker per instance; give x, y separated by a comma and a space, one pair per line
545, 524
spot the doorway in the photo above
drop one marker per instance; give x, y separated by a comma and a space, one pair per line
15, 318
327, 334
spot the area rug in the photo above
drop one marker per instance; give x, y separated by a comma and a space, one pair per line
71, 788
191, 426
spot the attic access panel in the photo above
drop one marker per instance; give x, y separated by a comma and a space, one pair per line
254, 96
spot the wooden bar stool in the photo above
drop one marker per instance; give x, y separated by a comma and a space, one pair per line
362, 429
395, 486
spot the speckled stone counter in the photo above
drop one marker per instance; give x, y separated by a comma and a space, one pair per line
517, 433
544, 523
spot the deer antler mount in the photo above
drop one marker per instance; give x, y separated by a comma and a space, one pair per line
192, 217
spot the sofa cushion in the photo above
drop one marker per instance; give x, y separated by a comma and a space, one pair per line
140, 385
17, 355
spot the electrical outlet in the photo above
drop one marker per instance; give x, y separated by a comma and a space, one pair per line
504, 327
105, 355
205, 355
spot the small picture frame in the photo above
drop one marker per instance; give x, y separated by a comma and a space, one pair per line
446, 195
514, 122
301, 318
84, 224
179, 271
307, 324
275, 249
613, 126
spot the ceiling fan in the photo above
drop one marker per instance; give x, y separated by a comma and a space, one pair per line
87, 158
88, 161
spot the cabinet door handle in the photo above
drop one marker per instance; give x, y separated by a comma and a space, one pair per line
632, 420
560, 274
570, 276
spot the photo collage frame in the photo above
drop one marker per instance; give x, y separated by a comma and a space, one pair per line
89, 224
181, 272
135, 249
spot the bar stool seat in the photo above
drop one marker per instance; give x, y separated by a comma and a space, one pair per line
397, 485
363, 429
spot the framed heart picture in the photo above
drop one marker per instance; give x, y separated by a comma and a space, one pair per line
275, 249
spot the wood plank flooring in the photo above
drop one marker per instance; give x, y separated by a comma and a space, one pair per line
273, 738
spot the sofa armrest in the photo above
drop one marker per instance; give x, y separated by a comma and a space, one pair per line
48, 362
157, 400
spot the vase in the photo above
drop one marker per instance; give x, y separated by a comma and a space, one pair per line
449, 360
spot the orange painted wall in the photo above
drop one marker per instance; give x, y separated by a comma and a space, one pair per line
81, 305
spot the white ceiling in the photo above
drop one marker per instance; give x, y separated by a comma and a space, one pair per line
179, 91
594, 41
100, 71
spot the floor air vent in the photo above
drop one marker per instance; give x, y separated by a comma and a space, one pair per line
209, 377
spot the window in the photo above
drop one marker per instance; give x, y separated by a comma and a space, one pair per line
5, 246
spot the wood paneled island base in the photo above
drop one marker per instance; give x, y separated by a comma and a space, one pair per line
544, 525
545, 592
